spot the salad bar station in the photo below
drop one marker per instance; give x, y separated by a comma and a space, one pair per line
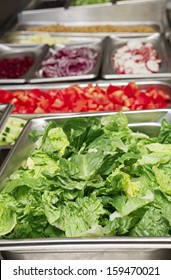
85, 131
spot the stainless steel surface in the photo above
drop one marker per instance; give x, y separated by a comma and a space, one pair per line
123, 2
153, 10
75, 248
142, 120
155, 25
160, 45
169, 38
22, 37
4, 48
161, 84
164, 85
37, 52
85, 248
5, 111
96, 46
85, 245
95, 254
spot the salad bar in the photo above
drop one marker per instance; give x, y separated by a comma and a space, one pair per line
85, 125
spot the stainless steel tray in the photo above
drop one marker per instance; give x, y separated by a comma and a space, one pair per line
147, 121
155, 25
75, 250
82, 37
37, 52
5, 111
146, 11
96, 46
160, 44
22, 37
85, 248
164, 85
160, 84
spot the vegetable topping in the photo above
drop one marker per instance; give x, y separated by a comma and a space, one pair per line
85, 99
69, 62
136, 58
13, 68
89, 177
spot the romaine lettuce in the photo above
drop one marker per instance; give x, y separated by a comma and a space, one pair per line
91, 177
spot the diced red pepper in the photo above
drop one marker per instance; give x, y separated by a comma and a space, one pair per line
112, 89
131, 90
117, 97
143, 99
85, 99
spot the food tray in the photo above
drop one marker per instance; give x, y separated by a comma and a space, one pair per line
96, 46
151, 12
21, 37
84, 248
155, 25
37, 52
5, 111
164, 85
160, 84
160, 44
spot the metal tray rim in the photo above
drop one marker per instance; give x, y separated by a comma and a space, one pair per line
45, 119
76, 34
141, 82
158, 24
6, 110
102, 83
83, 244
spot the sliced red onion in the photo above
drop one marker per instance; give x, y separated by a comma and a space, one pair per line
69, 62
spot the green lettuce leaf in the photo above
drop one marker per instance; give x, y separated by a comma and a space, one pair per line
90, 177
76, 218
164, 136
152, 224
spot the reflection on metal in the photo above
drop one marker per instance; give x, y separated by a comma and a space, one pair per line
147, 10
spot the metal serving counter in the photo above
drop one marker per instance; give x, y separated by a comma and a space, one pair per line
146, 10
